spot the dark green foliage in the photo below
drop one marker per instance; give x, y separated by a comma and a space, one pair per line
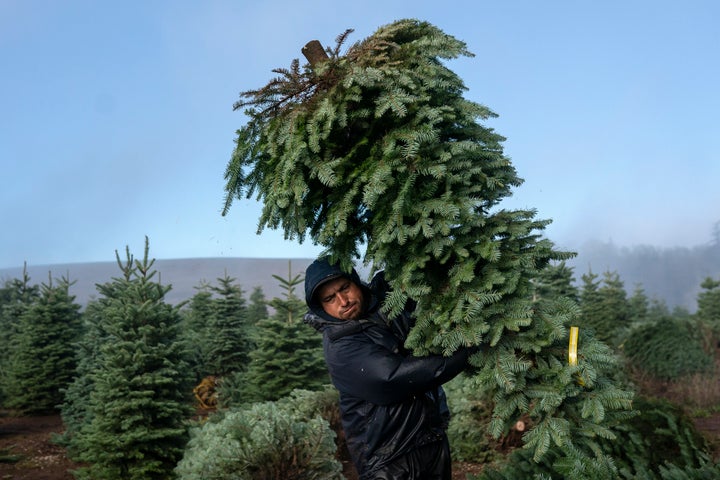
231, 390
378, 149
680, 311
556, 280
638, 306
590, 301
216, 329
520, 465
468, 429
658, 310
659, 440
288, 353
195, 332
388, 152
288, 356
43, 354
615, 303
570, 407
660, 435
668, 349
257, 307
291, 308
138, 399
605, 308
706, 471
16, 296
266, 441
75, 410
228, 331
709, 304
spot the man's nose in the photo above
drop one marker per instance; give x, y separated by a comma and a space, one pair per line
343, 298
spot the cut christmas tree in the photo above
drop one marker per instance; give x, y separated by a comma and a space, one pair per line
375, 155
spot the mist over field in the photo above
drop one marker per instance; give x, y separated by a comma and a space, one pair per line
672, 275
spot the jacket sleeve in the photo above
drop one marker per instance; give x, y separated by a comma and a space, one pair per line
362, 368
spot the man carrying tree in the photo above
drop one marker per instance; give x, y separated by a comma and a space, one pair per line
392, 404
376, 154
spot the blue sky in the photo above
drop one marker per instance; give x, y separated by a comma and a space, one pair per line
117, 117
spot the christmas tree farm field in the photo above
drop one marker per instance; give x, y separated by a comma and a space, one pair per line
28, 453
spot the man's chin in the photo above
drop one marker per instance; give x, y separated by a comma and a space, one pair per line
352, 314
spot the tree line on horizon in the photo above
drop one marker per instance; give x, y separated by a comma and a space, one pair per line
669, 274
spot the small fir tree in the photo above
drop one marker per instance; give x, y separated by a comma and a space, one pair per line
139, 401
708, 302
638, 306
669, 349
265, 441
605, 307
44, 358
556, 281
377, 149
657, 310
16, 296
257, 306
75, 410
471, 414
228, 331
196, 336
615, 307
590, 302
288, 354
291, 308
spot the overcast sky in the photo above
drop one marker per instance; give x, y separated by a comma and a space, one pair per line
116, 117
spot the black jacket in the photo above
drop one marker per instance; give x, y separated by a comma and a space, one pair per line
390, 400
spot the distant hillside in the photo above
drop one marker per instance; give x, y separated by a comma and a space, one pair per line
671, 274
183, 274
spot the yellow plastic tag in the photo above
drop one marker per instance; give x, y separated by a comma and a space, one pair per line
572, 350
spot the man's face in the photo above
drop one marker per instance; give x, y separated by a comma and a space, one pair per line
341, 298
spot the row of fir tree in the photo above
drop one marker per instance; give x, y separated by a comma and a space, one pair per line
124, 374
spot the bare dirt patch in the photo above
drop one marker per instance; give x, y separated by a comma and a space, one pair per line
27, 451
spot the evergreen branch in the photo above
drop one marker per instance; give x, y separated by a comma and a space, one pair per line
377, 149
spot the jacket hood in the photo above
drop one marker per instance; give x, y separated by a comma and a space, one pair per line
321, 271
